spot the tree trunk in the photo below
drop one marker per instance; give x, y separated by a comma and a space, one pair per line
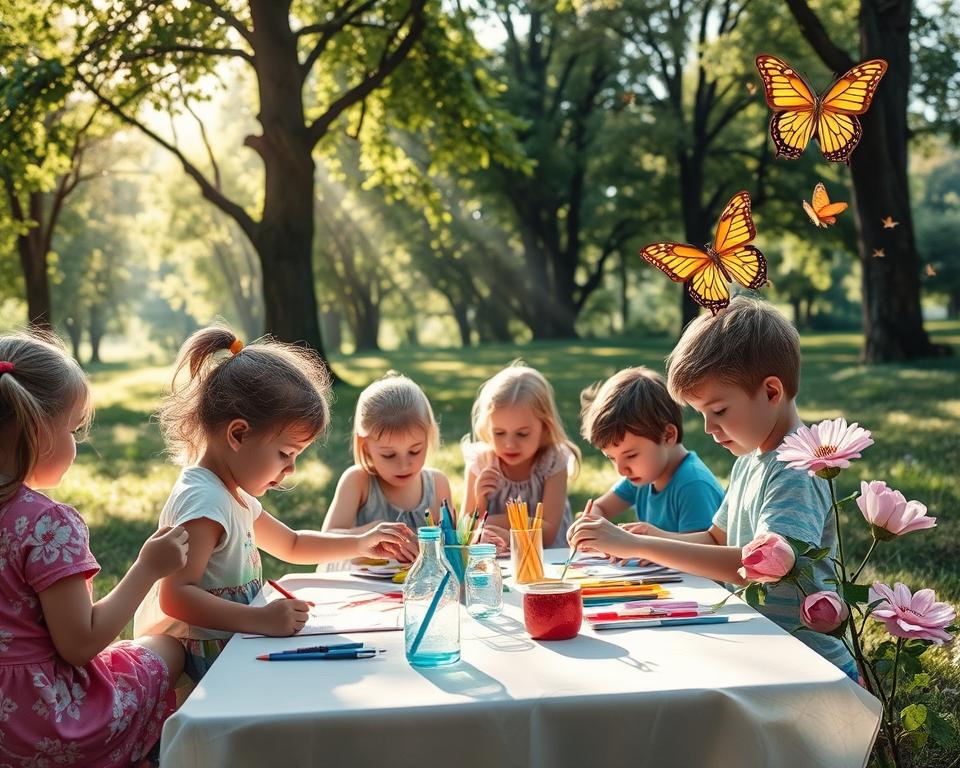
953, 305
892, 321
367, 328
75, 332
695, 227
797, 315
97, 329
33, 259
284, 237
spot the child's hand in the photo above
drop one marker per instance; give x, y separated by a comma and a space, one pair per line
593, 532
394, 540
486, 484
282, 618
165, 551
642, 529
492, 534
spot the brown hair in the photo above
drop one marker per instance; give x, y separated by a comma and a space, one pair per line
269, 384
519, 384
392, 404
633, 400
45, 385
740, 345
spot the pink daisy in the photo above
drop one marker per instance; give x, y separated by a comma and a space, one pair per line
912, 616
825, 448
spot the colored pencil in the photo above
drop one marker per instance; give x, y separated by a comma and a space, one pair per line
289, 595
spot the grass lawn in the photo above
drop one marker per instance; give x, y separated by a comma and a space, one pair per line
121, 478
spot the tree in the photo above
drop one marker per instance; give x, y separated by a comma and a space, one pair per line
892, 320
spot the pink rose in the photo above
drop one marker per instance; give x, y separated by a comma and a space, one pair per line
889, 513
823, 611
910, 616
767, 558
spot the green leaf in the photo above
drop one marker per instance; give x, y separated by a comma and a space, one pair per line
753, 595
855, 593
818, 554
916, 647
913, 717
941, 730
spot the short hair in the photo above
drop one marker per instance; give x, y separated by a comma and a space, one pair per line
634, 400
43, 385
393, 404
269, 384
741, 345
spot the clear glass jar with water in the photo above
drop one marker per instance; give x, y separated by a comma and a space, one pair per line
431, 605
483, 582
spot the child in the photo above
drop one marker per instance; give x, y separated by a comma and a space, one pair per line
239, 425
638, 426
741, 370
393, 429
522, 451
66, 694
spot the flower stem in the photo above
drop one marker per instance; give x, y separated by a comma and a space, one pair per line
873, 546
892, 707
836, 518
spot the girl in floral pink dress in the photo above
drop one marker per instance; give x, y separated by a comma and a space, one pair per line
67, 696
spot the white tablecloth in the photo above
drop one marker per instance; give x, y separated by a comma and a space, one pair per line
740, 694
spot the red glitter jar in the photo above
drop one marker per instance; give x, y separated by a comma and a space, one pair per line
552, 610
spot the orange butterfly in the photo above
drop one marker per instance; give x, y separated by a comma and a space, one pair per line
707, 272
831, 119
823, 212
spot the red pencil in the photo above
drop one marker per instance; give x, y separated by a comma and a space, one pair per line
285, 593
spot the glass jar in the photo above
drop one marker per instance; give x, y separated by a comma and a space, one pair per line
431, 605
484, 585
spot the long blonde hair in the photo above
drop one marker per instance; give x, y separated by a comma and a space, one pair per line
269, 384
519, 384
391, 405
44, 385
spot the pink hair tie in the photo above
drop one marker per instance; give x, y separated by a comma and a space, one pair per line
5, 367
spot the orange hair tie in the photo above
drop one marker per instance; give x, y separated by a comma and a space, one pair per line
236, 346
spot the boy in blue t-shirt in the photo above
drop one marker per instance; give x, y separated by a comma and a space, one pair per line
740, 369
633, 420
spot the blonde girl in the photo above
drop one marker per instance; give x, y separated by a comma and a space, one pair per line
238, 424
520, 449
393, 431
66, 694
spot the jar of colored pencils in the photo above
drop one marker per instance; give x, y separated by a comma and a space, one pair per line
526, 555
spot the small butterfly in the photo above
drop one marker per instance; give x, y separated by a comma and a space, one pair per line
931, 272
751, 89
708, 271
889, 223
823, 212
831, 119
879, 253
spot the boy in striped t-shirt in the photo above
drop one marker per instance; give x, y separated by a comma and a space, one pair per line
740, 369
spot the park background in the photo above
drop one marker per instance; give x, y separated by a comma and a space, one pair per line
441, 188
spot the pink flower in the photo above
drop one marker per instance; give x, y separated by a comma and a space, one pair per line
767, 558
912, 616
825, 448
823, 611
889, 513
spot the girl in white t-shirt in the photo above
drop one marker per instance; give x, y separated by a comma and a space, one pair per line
238, 425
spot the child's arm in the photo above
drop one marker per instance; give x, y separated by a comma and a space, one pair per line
610, 505
347, 500
182, 598
310, 547
690, 553
81, 628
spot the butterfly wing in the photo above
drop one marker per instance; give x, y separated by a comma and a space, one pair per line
746, 265
812, 214
792, 102
676, 261
853, 93
838, 129
823, 211
736, 224
708, 288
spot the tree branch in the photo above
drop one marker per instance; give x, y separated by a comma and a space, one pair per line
816, 34
209, 191
388, 63
229, 18
149, 53
330, 29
